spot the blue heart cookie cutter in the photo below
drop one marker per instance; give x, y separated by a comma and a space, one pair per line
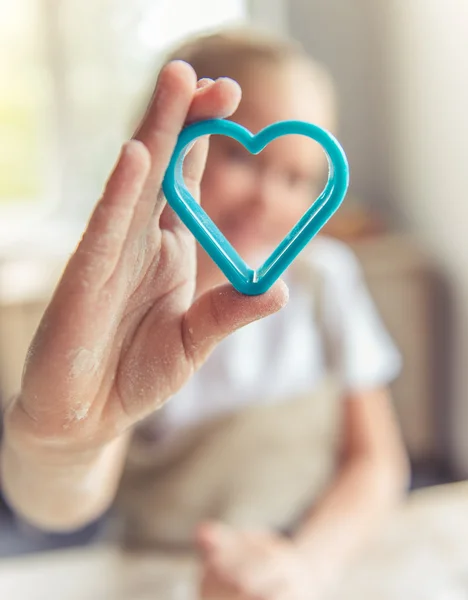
245, 279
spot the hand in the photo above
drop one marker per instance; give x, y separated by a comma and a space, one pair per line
251, 566
123, 332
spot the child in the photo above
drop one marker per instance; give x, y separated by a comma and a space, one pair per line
140, 308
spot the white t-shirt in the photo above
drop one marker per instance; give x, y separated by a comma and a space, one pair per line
283, 355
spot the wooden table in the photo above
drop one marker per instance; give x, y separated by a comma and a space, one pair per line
421, 555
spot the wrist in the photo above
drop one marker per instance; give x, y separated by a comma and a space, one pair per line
24, 437
57, 482
57, 492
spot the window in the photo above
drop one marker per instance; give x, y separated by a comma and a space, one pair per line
168, 21
72, 73
26, 108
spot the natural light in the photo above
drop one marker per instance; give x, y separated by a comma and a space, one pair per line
70, 79
173, 21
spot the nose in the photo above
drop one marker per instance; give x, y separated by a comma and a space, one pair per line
265, 191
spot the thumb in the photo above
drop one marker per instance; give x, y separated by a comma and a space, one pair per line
223, 310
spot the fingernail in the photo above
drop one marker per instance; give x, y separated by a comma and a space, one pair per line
204, 82
230, 79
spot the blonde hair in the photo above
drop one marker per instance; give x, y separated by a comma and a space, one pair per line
228, 52
214, 55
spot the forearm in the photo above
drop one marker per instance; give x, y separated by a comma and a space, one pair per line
363, 494
57, 492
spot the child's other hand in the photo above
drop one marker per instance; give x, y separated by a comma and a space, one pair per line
251, 566
122, 332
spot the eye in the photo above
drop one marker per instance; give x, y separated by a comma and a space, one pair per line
296, 180
237, 153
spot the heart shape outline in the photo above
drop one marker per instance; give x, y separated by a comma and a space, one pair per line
245, 279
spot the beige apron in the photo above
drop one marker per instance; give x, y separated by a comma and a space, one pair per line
262, 467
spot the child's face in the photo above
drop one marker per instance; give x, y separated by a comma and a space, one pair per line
256, 200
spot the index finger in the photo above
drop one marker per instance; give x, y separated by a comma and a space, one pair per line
162, 123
